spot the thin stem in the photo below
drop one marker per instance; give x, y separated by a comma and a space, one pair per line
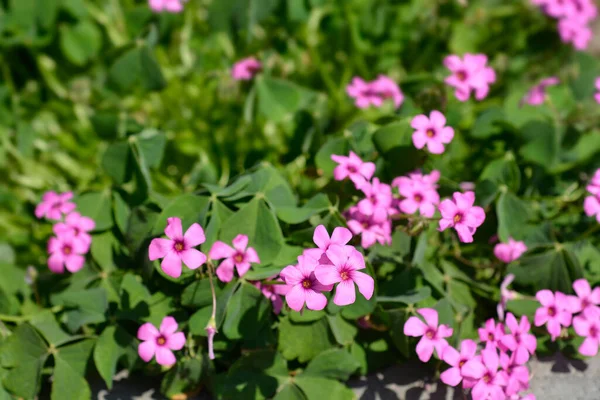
212, 289
14, 318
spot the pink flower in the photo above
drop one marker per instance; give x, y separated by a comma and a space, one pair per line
160, 342
574, 30
597, 95
244, 70
178, 248
594, 185
54, 205
377, 203
66, 251
417, 196
489, 380
352, 167
303, 286
587, 300
466, 186
517, 375
273, 292
432, 335
491, 333
432, 132
505, 295
470, 73
461, 215
591, 206
555, 311
370, 232
459, 362
172, 6
519, 341
76, 224
340, 236
537, 94
346, 262
587, 325
375, 92
240, 257
509, 252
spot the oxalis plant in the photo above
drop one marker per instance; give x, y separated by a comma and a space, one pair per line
262, 200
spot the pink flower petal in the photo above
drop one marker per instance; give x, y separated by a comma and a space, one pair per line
451, 356
424, 349
315, 300
430, 315
220, 250
173, 229
240, 242
252, 256
192, 258
341, 235
146, 350
225, 270
321, 237
176, 341
147, 331
74, 262
345, 293
164, 356
194, 235
168, 326
171, 265
56, 263
414, 327
296, 298
451, 376
159, 248
327, 274
365, 283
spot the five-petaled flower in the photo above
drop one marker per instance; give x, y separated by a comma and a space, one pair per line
490, 381
556, 311
54, 205
519, 340
537, 94
246, 69
66, 251
352, 167
459, 362
587, 300
240, 257
178, 247
432, 132
469, 73
432, 334
303, 286
160, 342
587, 325
77, 225
510, 251
461, 215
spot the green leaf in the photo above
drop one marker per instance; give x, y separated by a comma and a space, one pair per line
96, 205
69, 371
279, 100
306, 315
184, 378
304, 341
258, 222
151, 75
126, 70
393, 135
343, 330
512, 216
102, 250
314, 388
246, 313
116, 161
289, 391
46, 324
488, 123
412, 297
189, 207
110, 347
135, 298
504, 171
80, 43
334, 364
296, 215
522, 307
542, 143
198, 294
334, 145
397, 320
360, 307
88, 306
588, 69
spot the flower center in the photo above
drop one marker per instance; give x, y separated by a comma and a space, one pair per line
418, 198
178, 246
352, 169
430, 132
461, 363
387, 95
67, 249
594, 333
461, 75
551, 311
345, 275
238, 258
458, 218
430, 334
306, 284
161, 340
491, 337
365, 225
487, 378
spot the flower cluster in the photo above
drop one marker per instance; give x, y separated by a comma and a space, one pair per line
537, 94
239, 256
574, 19
171, 6
591, 204
246, 69
72, 240
469, 74
374, 93
559, 310
333, 262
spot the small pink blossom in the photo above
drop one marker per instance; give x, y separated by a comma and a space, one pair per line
470, 73
519, 340
54, 205
490, 381
432, 132
346, 262
239, 256
466, 186
459, 362
273, 292
491, 333
370, 232
587, 300
537, 94
303, 286
178, 247
591, 207
517, 375
555, 311
509, 252
461, 215
505, 295
352, 167
374, 93
574, 30
171, 6
78, 225
418, 196
246, 69
587, 325
593, 185
339, 236
66, 251
160, 342
377, 204
432, 335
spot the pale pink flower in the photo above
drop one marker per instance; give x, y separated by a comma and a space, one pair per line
374, 93
461, 215
587, 300
346, 262
537, 94
160, 342
466, 186
591, 207
339, 236
587, 325
490, 381
178, 247
517, 375
519, 340
491, 333
574, 30
76, 224
239, 256
171, 6
370, 232
470, 73
555, 311
54, 205
246, 69
459, 362
66, 251
377, 203
303, 286
505, 295
432, 132
593, 185
418, 196
273, 292
432, 335
509, 252
352, 167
